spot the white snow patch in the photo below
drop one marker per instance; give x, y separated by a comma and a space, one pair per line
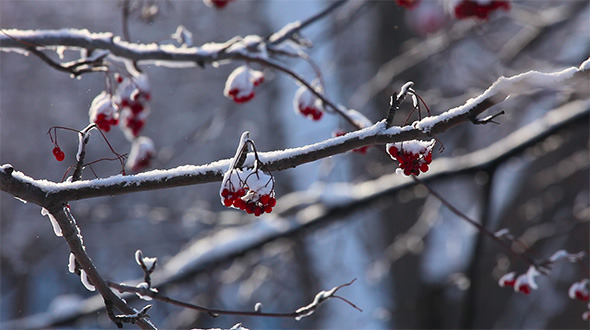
524, 82
280, 34
54, 224
84, 279
527, 279
72, 263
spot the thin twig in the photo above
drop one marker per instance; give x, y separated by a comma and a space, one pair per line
309, 21
214, 312
475, 224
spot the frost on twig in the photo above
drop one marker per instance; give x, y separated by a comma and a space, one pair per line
54, 224
320, 298
132, 318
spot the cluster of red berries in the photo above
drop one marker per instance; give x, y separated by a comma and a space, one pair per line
241, 82
58, 154
307, 104
264, 204
219, 4
141, 154
479, 9
524, 283
102, 112
413, 156
132, 98
361, 150
580, 290
105, 123
311, 112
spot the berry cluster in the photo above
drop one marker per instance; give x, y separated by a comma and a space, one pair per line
132, 98
479, 8
523, 283
249, 190
141, 154
58, 154
102, 112
413, 156
307, 104
361, 150
241, 82
580, 290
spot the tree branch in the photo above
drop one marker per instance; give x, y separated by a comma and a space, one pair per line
72, 236
43, 192
301, 312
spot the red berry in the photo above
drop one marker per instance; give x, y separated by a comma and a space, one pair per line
272, 202
424, 167
227, 202
59, 155
258, 81
225, 193
136, 107
317, 114
268, 209
581, 296
264, 199
241, 192
524, 288
257, 211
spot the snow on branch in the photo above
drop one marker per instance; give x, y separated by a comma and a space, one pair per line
298, 314
42, 191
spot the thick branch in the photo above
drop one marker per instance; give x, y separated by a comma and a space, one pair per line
289, 158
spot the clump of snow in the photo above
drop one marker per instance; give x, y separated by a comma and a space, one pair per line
283, 32
319, 298
72, 263
585, 65
503, 233
580, 290
414, 146
20, 200
141, 154
247, 45
84, 279
526, 281
144, 285
403, 91
502, 88
563, 255
507, 279
148, 262
54, 224
183, 36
